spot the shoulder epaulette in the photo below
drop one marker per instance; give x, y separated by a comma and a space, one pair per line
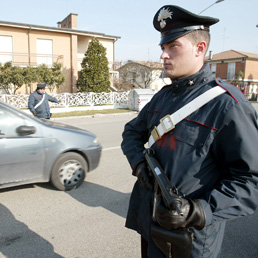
232, 90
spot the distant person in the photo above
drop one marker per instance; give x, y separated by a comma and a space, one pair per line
38, 102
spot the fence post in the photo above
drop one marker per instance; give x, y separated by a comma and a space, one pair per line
92, 99
66, 100
113, 97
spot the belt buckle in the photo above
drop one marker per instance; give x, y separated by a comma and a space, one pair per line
167, 123
155, 134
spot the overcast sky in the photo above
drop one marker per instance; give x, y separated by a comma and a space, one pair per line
132, 21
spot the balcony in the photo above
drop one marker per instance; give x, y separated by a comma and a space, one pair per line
29, 59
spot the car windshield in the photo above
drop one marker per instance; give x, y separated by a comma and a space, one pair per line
9, 123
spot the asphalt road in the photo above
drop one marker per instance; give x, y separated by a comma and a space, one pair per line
36, 221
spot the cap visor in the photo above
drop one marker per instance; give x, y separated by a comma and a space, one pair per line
172, 36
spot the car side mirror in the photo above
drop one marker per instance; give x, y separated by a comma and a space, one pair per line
25, 130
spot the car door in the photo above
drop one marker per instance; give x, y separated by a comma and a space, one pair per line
22, 157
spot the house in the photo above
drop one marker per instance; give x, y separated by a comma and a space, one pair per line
142, 74
237, 67
32, 45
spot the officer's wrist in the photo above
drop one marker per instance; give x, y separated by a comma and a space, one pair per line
134, 172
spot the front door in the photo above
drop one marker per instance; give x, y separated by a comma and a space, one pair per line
22, 158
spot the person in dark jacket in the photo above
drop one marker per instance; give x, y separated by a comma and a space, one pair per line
210, 156
38, 102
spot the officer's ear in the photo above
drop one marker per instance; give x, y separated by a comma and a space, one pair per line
201, 48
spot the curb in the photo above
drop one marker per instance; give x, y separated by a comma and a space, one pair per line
93, 116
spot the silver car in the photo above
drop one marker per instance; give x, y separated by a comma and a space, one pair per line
36, 150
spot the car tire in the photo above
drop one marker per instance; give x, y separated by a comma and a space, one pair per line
69, 171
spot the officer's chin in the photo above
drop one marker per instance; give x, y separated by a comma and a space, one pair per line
168, 74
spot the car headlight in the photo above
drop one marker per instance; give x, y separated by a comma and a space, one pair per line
96, 141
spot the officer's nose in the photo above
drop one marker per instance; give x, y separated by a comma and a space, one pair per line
164, 55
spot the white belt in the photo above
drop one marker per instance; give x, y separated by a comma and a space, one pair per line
168, 122
40, 101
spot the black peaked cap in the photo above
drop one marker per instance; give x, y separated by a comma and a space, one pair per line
174, 22
41, 85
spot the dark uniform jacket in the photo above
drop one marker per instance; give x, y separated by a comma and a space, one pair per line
43, 110
211, 155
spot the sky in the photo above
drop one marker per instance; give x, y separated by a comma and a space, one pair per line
133, 22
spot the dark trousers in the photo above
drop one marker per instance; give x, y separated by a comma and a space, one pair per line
144, 248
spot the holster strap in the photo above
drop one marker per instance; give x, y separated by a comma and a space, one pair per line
168, 122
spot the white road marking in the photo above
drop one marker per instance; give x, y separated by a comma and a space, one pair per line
112, 148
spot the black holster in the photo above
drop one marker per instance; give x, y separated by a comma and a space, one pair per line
172, 243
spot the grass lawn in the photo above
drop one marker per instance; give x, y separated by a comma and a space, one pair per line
90, 112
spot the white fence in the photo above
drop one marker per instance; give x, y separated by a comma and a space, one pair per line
68, 100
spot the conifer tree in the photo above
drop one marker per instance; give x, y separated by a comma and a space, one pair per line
94, 76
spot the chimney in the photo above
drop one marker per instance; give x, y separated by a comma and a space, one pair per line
69, 22
210, 55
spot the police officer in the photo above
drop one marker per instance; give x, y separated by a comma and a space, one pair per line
38, 102
210, 156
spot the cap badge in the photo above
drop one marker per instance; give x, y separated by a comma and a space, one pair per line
164, 14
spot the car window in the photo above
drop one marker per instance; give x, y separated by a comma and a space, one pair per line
8, 123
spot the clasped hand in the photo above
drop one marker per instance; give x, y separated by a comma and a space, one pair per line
192, 211
192, 215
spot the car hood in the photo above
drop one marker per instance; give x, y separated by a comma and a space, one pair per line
65, 126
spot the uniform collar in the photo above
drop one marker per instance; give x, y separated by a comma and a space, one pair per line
40, 93
195, 80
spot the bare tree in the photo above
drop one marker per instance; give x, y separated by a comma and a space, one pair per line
138, 74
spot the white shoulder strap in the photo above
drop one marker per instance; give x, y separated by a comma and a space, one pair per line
40, 102
168, 122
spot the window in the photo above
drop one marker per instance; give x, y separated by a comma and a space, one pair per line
231, 71
6, 49
9, 123
45, 52
213, 70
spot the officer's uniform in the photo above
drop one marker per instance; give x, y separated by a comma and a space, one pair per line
43, 110
211, 155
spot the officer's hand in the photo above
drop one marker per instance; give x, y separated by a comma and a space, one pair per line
193, 215
34, 112
144, 176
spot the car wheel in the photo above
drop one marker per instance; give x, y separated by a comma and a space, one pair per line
69, 171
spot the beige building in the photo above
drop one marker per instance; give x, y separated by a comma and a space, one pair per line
32, 45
